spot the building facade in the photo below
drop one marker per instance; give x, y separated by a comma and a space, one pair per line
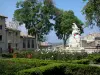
91, 40
14, 39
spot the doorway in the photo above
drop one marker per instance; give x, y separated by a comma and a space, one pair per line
9, 48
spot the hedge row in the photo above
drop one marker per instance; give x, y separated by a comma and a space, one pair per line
11, 66
48, 55
24, 66
62, 69
95, 58
51, 69
7, 55
82, 61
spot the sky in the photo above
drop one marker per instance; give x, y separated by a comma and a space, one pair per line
7, 8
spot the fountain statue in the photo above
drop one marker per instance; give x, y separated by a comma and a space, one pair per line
75, 39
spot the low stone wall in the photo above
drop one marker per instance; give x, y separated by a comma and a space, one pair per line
89, 50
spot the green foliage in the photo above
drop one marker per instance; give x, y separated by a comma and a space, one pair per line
81, 61
91, 11
35, 15
63, 25
23, 54
55, 55
76, 69
7, 55
23, 66
11, 66
75, 64
96, 59
44, 70
61, 69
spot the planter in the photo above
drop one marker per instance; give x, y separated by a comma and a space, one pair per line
14, 55
29, 56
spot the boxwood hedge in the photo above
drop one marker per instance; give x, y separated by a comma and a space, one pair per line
62, 69
11, 66
23, 66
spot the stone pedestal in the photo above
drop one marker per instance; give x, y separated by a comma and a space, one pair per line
75, 49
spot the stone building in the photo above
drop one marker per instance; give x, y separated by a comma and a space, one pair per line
14, 39
27, 42
91, 40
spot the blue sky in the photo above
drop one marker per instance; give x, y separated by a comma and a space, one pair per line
7, 8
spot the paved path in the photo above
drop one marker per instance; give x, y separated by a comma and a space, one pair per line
97, 65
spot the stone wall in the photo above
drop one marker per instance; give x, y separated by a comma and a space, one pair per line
84, 43
13, 38
25, 40
3, 45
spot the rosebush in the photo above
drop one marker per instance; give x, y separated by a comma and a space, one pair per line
52, 55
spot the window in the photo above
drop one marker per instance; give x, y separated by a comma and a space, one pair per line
16, 33
24, 44
10, 33
28, 45
0, 26
1, 18
16, 45
0, 50
0, 37
32, 43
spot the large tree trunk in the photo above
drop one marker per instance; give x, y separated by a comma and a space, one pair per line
65, 37
37, 45
64, 40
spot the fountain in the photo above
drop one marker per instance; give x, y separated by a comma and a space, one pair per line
75, 40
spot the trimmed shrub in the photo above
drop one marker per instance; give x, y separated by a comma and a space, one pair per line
24, 66
62, 69
12, 66
80, 69
51, 55
96, 59
82, 61
52, 69
7, 55
23, 54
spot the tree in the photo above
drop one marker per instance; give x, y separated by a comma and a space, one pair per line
92, 12
63, 25
36, 16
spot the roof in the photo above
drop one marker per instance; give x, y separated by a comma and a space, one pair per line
21, 34
93, 34
3, 16
8, 28
91, 37
45, 44
26, 35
